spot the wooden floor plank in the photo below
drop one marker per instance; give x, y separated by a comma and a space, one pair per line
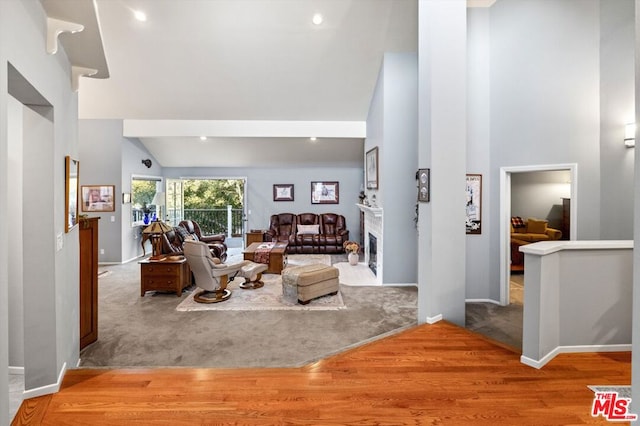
430, 374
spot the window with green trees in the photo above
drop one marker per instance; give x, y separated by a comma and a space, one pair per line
207, 202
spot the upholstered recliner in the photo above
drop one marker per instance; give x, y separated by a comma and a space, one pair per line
333, 233
282, 227
215, 241
172, 243
212, 276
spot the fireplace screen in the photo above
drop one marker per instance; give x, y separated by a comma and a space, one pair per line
373, 254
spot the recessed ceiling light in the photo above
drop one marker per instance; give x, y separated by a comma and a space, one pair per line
140, 15
203, 138
317, 19
313, 139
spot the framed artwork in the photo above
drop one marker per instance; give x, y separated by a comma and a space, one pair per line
371, 167
474, 204
283, 192
325, 193
98, 198
71, 170
424, 182
126, 197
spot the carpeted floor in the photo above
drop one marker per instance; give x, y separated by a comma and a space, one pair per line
147, 331
501, 323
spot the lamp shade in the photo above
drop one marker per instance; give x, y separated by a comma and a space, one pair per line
158, 199
157, 227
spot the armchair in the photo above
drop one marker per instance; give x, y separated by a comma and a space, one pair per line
212, 276
333, 232
216, 242
193, 228
172, 242
282, 227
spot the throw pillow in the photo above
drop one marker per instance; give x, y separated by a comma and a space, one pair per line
183, 233
517, 222
535, 226
308, 229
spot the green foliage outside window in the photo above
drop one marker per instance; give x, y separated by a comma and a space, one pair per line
212, 194
142, 192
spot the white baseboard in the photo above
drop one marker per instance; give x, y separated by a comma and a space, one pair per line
435, 319
495, 302
109, 263
400, 284
48, 389
572, 349
17, 371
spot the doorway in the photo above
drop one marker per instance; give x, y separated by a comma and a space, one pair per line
506, 175
31, 303
217, 204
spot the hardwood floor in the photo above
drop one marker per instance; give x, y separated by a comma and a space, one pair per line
430, 374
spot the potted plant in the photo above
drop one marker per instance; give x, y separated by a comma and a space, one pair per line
352, 248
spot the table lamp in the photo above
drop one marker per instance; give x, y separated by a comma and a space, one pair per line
156, 229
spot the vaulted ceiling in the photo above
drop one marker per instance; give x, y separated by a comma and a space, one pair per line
243, 61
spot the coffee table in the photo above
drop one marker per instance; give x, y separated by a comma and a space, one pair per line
277, 256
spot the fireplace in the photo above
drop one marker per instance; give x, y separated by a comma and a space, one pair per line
373, 240
373, 253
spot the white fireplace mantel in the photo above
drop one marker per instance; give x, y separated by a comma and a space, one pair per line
376, 211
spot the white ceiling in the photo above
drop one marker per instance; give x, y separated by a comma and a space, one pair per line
245, 60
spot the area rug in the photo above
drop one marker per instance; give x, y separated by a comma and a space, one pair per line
269, 297
266, 298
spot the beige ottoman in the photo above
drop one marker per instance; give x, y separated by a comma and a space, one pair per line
303, 283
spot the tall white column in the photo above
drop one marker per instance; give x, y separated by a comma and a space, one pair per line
442, 104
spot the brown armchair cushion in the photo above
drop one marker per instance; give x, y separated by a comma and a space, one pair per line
535, 226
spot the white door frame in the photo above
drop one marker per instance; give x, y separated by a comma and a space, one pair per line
505, 214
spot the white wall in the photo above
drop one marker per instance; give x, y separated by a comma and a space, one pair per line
479, 146
545, 102
133, 152
51, 316
15, 170
616, 109
392, 127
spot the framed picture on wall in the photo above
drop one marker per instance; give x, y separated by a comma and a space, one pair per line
98, 198
283, 192
325, 193
371, 167
474, 204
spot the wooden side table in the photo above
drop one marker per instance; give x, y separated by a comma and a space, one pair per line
169, 273
254, 236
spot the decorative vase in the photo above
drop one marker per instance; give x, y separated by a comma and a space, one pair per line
353, 258
146, 219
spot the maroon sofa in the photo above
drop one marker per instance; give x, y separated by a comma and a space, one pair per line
309, 232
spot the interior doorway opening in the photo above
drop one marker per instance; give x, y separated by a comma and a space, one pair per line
506, 197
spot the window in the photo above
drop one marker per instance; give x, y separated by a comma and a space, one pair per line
143, 189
